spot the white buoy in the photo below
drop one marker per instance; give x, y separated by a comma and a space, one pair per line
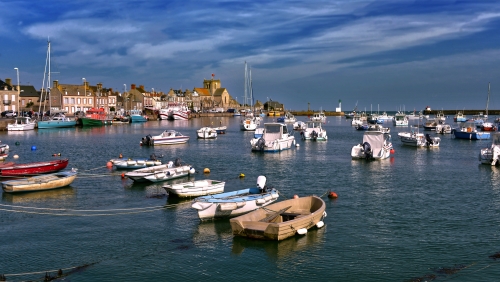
16, 157
192, 171
302, 231
297, 145
320, 224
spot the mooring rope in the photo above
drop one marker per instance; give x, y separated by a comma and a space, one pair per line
47, 271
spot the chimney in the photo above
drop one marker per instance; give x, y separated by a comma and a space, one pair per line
8, 81
55, 84
86, 84
132, 86
99, 85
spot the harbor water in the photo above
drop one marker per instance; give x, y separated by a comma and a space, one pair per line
421, 214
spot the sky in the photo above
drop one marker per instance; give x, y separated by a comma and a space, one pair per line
378, 55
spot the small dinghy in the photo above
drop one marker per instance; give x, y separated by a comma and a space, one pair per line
281, 220
41, 182
195, 188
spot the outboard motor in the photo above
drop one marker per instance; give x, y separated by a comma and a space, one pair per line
428, 139
314, 135
261, 183
261, 143
367, 149
177, 162
149, 141
152, 157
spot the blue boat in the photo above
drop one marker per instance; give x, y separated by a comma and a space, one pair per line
361, 126
469, 131
137, 116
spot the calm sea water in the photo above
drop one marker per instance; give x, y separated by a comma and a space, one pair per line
423, 213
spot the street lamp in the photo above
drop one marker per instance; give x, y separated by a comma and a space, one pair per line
18, 89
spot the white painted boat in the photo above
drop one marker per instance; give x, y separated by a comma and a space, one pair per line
275, 138
376, 145
206, 133
416, 139
443, 128
235, 203
161, 172
129, 163
319, 117
491, 155
299, 125
249, 124
21, 124
400, 119
195, 188
40, 182
314, 131
167, 137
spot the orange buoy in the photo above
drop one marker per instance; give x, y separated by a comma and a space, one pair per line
123, 175
206, 170
109, 164
393, 151
332, 195
295, 196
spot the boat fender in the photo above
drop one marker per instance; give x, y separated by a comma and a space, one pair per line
275, 195
260, 201
302, 231
15, 156
109, 164
192, 170
324, 214
123, 175
168, 172
320, 224
295, 196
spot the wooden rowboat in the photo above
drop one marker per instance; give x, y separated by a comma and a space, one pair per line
281, 220
40, 182
33, 168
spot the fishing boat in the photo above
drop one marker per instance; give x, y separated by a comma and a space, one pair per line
417, 139
430, 125
314, 131
469, 131
41, 182
385, 117
34, 168
96, 117
206, 133
274, 139
356, 119
362, 126
21, 124
195, 188
167, 137
281, 220
376, 145
161, 172
490, 155
459, 117
321, 117
135, 163
400, 119
299, 125
287, 118
249, 124
235, 203
378, 127
136, 116
181, 112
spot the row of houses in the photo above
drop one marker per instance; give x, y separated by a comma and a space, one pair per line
73, 98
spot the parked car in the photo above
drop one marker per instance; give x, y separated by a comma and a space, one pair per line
9, 114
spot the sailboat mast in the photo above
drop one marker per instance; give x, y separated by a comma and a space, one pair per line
488, 100
48, 81
42, 98
245, 85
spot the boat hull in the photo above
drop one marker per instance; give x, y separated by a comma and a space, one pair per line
195, 188
56, 124
273, 224
159, 173
34, 168
40, 183
471, 135
134, 163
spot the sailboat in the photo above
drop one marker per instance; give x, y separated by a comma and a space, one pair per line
487, 126
57, 118
249, 123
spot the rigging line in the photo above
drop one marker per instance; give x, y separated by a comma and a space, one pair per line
71, 210
45, 271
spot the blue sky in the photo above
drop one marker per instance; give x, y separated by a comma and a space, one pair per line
378, 54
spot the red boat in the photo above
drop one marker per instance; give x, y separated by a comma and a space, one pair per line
33, 168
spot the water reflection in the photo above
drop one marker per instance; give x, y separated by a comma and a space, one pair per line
40, 196
277, 250
210, 231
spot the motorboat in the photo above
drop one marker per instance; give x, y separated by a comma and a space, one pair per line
314, 131
356, 119
469, 131
385, 117
274, 139
378, 127
135, 163
162, 172
136, 116
299, 125
321, 117
488, 126
281, 220
361, 126
430, 125
195, 188
459, 117
376, 145
287, 118
400, 119
206, 133
249, 124
220, 129
417, 139
21, 124
443, 128
235, 203
40, 182
56, 120
167, 137
491, 155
